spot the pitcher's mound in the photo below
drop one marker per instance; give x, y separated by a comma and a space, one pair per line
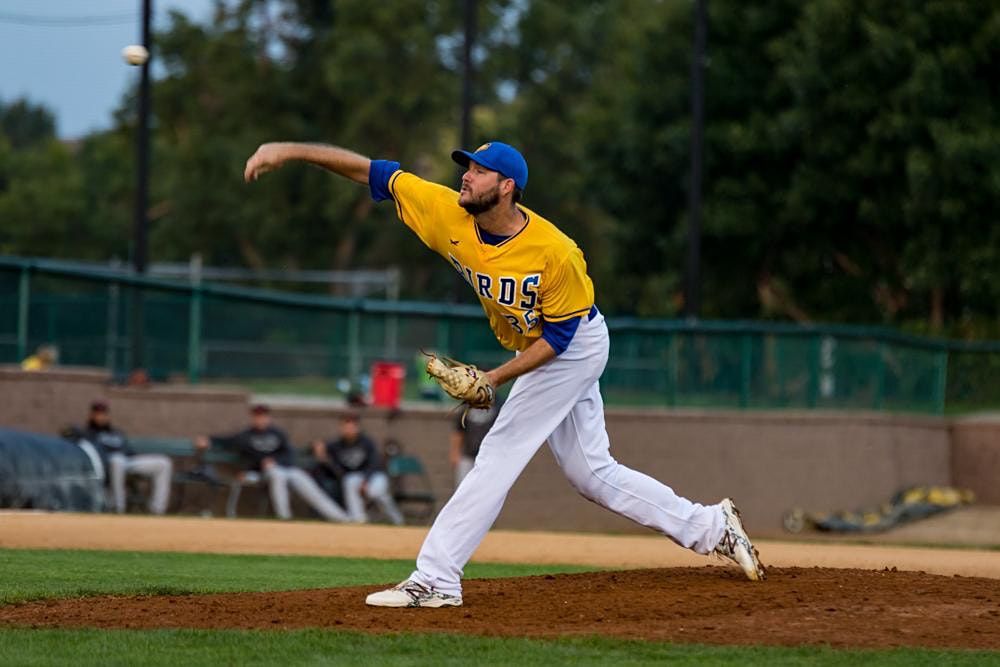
713, 605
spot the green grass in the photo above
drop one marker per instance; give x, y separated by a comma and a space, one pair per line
35, 574
32, 574
318, 647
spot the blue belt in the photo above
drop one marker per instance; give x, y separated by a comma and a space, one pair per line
593, 312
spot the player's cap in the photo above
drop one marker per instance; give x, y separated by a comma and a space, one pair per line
499, 157
260, 409
99, 406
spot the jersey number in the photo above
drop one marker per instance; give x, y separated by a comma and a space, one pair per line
530, 322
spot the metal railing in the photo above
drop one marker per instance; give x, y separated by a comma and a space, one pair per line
204, 331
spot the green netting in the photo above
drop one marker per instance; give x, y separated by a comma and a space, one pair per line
973, 381
219, 333
93, 321
785, 371
640, 369
242, 338
914, 379
771, 370
72, 313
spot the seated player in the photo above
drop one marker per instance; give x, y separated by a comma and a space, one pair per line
354, 463
266, 453
120, 460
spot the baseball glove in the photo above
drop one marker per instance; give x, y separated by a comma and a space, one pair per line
462, 381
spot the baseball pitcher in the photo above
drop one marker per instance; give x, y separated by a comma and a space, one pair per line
532, 281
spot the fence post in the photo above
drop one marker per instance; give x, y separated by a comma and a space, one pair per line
816, 345
23, 299
392, 321
111, 336
354, 343
391, 337
444, 336
941, 388
745, 367
194, 320
774, 346
878, 401
194, 335
672, 370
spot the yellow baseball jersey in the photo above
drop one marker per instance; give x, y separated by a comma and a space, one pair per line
537, 274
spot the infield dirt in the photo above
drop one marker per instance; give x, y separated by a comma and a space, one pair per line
874, 597
796, 606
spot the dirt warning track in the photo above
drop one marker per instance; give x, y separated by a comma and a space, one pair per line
312, 538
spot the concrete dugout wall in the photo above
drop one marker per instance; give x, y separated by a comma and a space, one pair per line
768, 461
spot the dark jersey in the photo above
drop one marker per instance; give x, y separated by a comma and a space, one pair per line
107, 440
478, 423
254, 446
359, 455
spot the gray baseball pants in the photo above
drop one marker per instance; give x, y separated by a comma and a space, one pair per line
156, 467
377, 490
279, 478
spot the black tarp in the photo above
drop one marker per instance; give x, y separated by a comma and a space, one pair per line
909, 504
45, 472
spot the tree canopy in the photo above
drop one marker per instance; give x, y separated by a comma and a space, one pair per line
852, 149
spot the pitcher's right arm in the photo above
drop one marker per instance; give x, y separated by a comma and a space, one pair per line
340, 161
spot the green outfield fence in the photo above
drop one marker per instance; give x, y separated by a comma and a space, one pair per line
199, 332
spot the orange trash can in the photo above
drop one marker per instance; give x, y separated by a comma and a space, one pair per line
387, 383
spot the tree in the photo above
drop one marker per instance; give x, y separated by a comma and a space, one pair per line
632, 138
852, 164
896, 173
542, 73
41, 203
320, 75
25, 124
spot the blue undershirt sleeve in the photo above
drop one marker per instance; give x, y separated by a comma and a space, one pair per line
378, 178
559, 334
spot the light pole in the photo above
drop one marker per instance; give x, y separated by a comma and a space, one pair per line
140, 223
140, 251
468, 72
469, 10
692, 273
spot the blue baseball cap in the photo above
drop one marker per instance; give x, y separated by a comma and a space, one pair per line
499, 157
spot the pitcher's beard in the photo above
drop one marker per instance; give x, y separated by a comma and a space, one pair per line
483, 204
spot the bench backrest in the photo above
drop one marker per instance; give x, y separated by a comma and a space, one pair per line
184, 447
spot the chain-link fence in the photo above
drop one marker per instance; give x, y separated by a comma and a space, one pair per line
209, 332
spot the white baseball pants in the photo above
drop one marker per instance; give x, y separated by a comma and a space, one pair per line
158, 468
279, 478
560, 402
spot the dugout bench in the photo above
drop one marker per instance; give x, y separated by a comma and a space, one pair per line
193, 469
196, 470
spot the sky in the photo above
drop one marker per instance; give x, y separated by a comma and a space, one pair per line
66, 54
